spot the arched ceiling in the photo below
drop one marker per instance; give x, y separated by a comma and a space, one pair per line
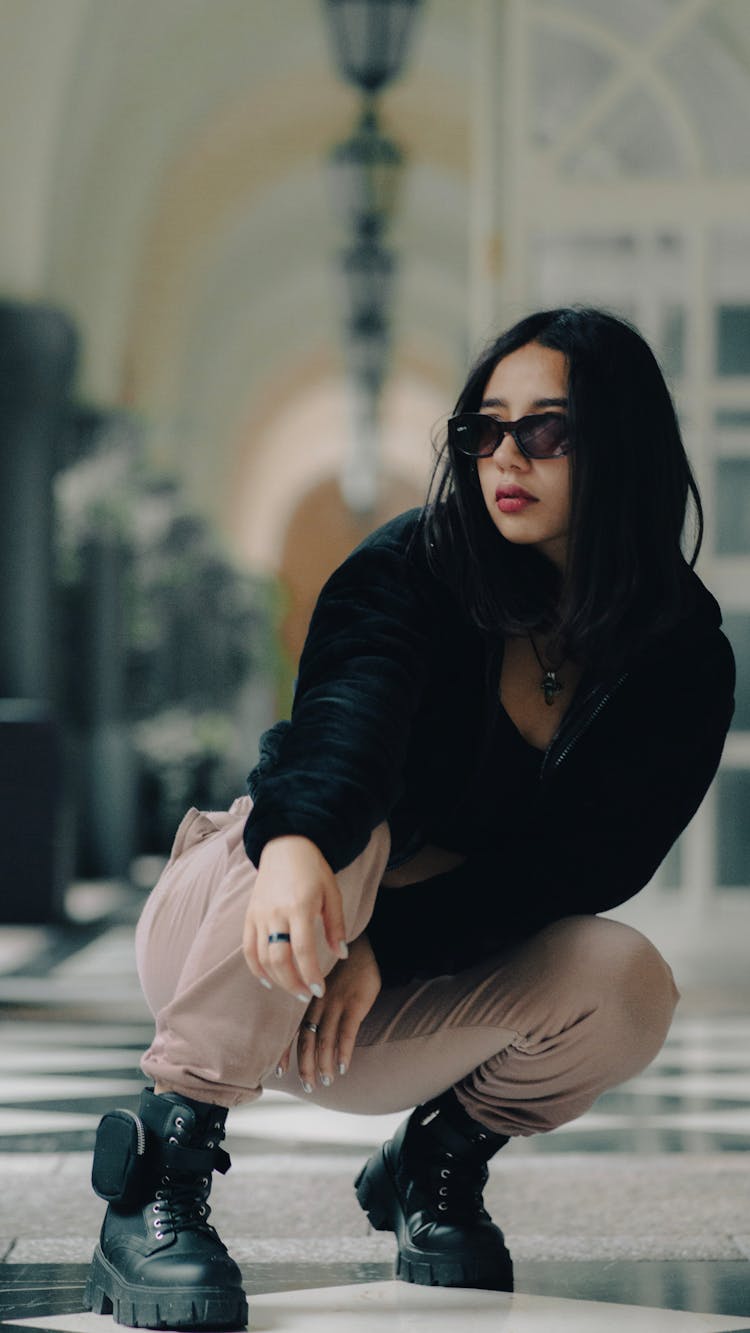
187, 223
193, 234
189, 123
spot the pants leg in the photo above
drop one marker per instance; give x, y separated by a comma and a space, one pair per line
219, 1033
528, 1039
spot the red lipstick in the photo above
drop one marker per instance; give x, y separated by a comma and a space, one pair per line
513, 499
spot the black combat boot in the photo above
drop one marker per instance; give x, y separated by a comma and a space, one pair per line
426, 1185
159, 1264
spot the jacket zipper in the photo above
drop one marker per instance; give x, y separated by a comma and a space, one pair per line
584, 725
139, 1128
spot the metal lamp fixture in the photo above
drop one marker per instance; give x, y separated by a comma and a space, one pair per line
360, 473
367, 349
367, 356
368, 280
371, 39
365, 174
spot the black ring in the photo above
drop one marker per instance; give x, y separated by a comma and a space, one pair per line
310, 1027
279, 937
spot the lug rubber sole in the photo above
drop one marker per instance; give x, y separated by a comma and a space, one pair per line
154, 1307
379, 1198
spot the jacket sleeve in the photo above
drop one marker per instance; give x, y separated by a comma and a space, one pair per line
606, 818
338, 764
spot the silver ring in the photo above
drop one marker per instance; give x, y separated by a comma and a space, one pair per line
279, 937
310, 1027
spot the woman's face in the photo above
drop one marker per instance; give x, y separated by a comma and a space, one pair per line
530, 380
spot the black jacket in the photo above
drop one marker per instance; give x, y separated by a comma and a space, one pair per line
391, 719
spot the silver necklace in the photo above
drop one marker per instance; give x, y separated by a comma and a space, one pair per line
549, 682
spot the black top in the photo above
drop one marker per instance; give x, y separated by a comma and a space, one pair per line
396, 716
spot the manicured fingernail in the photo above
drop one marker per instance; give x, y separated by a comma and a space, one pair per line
317, 990
343, 949
342, 1068
265, 983
326, 1080
306, 1087
279, 1071
304, 997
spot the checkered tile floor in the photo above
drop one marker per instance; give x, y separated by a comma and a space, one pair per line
658, 1170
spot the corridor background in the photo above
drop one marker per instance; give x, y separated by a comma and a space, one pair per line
166, 195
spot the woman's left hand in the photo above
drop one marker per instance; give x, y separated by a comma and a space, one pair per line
351, 990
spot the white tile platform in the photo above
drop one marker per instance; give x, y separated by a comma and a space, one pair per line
385, 1307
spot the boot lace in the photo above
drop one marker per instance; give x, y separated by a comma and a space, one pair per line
180, 1204
179, 1207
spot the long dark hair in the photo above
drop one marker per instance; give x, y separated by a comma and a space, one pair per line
626, 577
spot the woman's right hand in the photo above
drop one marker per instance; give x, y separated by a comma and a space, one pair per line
294, 888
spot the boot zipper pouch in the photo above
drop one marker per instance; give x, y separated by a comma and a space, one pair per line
119, 1158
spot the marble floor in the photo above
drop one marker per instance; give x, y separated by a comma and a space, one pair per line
635, 1216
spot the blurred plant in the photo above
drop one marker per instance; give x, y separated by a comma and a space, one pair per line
183, 761
95, 490
149, 600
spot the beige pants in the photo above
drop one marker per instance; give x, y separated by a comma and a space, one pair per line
528, 1038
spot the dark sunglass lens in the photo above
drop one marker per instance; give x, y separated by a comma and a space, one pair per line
474, 434
545, 437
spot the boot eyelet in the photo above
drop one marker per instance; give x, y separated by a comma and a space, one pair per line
204, 1180
156, 1208
159, 1194
202, 1210
160, 1235
210, 1144
443, 1190
217, 1125
444, 1174
481, 1137
172, 1139
443, 1207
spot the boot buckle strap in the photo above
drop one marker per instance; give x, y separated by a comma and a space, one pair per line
198, 1161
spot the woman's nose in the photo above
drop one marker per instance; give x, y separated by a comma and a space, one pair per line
508, 453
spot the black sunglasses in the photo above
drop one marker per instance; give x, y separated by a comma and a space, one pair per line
542, 436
